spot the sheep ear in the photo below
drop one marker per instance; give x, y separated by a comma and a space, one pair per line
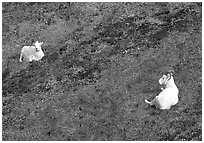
168, 77
172, 72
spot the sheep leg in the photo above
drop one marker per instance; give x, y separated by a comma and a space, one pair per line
21, 57
150, 103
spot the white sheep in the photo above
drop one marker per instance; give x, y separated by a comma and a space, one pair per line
31, 53
169, 95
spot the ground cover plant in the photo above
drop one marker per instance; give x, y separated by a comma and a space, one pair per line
101, 61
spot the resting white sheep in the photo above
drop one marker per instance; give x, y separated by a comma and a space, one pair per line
169, 95
31, 53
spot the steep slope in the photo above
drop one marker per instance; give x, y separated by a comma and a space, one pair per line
102, 60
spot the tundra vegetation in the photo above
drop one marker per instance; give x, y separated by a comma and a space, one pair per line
101, 61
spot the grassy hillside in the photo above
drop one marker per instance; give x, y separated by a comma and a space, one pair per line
102, 60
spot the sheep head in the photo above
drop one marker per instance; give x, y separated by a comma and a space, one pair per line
38, 46
166, 77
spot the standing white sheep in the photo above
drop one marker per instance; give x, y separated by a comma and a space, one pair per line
31, 53
169, 95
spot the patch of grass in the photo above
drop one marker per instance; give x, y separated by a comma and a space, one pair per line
102, 60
